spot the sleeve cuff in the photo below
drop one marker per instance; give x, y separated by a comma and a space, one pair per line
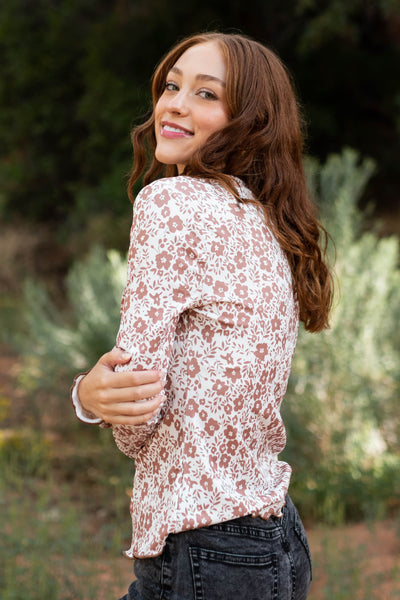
82, 414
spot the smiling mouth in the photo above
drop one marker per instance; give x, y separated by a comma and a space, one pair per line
169, 130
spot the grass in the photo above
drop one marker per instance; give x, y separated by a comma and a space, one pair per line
45, 553
56, 536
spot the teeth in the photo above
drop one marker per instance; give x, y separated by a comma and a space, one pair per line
174, 129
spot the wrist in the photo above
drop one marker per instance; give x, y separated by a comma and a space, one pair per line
81, 412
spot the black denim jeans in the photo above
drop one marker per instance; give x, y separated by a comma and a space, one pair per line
243, 559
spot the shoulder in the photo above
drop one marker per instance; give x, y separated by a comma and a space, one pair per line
200, 204
189, 198
171, 207
173, 189
184, 190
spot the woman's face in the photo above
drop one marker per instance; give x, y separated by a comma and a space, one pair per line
192, 106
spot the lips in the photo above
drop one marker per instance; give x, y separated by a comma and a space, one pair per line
171, 130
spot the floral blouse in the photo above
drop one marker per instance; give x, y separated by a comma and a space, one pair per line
209, 301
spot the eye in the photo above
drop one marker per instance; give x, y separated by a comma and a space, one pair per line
207, 95
170, 86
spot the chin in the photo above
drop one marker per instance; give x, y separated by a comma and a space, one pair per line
164, 158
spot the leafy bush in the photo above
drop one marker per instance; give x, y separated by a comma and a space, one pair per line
59, 345
340, 409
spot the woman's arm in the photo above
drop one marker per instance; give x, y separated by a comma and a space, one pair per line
165, 272
130, 398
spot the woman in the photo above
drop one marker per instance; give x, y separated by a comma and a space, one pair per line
224, 261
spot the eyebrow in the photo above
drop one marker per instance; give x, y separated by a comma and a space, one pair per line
201, 76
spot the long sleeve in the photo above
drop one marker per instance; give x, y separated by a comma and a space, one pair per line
164, 280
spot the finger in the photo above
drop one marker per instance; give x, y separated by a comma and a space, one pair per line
116, 356
138, 408
134, 421
132, 394
107, 380
142, 410
125, 379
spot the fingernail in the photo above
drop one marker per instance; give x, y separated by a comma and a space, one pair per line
126, 355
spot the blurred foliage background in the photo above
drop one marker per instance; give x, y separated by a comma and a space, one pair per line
74, 79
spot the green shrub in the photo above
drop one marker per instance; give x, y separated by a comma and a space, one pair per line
59, 344
341, 406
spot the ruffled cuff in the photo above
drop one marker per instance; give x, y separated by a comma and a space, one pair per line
84, 415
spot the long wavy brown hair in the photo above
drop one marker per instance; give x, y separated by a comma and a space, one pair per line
262, 144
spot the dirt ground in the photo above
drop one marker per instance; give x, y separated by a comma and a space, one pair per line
368, 553
372, 549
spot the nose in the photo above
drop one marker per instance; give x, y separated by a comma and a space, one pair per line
178, 103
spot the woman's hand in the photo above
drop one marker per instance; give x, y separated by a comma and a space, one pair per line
120, 398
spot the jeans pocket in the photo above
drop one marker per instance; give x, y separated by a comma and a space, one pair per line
227, 576
301, 534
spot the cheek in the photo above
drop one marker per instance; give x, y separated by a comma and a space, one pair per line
158, 108
215, 122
